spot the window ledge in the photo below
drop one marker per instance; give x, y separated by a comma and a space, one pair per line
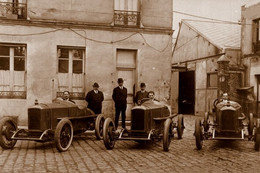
12, 94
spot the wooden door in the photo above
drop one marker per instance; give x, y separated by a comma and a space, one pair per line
129, 83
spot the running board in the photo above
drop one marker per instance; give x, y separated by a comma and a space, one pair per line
23, 134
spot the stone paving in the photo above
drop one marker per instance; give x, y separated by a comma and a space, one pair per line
89, 155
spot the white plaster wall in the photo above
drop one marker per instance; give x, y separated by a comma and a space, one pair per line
153, 67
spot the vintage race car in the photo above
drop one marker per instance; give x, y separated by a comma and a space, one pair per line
58, 121
227, 122
150, 121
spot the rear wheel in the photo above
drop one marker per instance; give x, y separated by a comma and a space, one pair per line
109, 134
99, 126
251, 124
63, 135
180, 126
7, 129
167, 134
198, 134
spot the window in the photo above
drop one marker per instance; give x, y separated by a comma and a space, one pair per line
71, 71
127, 12
257, 36
212, 80
13, 9
12, 71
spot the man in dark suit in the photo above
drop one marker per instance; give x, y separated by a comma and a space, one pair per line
95, 99
141, 94
119, 96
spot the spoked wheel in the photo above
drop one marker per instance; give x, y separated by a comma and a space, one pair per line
257, 139
109, 134
180, 126
198, 134
99, 123
7, 129
63, 135
206, 122
251, 125
167, 134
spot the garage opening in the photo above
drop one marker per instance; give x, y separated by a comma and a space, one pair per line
186, 92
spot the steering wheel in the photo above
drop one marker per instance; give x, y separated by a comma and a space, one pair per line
216, 101
142, 101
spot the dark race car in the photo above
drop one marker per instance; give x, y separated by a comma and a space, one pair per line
150, 121
228, 122
58, 121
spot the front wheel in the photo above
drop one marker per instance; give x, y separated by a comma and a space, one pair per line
198, 134
180, 126
99, 126
7, 129
257, 139
109, 134
63, 135
251, 124
206, 121
167, 134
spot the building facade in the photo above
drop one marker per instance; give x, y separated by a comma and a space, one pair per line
250, 44
47, 47
198, 49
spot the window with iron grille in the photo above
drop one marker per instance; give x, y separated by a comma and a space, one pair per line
257, 36
13, 9
71, 71
12, 71
127, 12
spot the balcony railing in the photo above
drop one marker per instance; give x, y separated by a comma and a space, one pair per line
13, 10
127, 18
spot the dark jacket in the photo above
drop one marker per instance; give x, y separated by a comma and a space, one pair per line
140, 95
95, 101
119, 96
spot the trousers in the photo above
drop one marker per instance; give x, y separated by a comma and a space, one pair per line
118, 111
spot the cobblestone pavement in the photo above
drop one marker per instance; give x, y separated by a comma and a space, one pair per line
89, 155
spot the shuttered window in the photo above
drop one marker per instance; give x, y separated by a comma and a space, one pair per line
12, 71
71, 71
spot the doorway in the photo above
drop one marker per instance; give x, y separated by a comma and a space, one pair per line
126, 69
186, 99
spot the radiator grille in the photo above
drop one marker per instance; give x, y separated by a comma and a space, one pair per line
228, 120
34, 119
137, 119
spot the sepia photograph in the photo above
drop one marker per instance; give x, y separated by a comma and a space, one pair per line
120, 86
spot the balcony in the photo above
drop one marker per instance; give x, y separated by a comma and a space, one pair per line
13, 10
127, 18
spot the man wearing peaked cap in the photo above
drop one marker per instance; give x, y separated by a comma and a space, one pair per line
119, 96
95, 99
141, 94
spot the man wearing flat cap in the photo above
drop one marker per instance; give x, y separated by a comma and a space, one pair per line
119, 96
141, 94
95, 99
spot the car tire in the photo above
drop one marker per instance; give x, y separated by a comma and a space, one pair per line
63, 135
7, 129
257, 139
206, 122
251, 125
180, 126
198, 134
109, 134
167, 134
99, 123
